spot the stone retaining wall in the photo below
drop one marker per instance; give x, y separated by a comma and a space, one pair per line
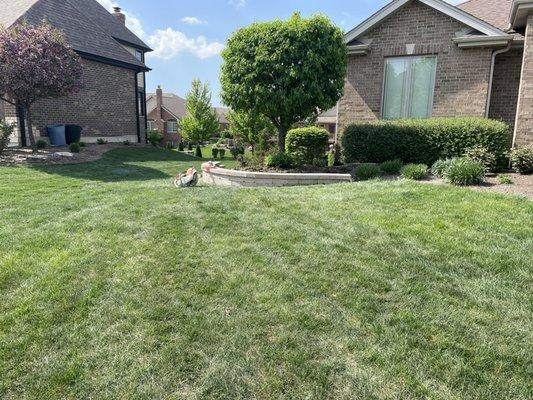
225, 177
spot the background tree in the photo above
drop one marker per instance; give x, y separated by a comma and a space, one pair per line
201, 122
285, 70
251, 128
36, 63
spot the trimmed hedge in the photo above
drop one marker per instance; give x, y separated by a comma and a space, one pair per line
306, 145
424, 140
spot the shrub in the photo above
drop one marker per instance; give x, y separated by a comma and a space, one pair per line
226, 135
505, 179
222, 153
483, 155
237, 151
424, 140
83, 144
189, 146
307, 144
416, 172
6, 130
440, 167
126, 143
464, 171
522, 159
155, 137
331, 158
74, 147
101, 141
366, 172
198, 151
392, 167
41, 144
279, 160
214, 152
181, 147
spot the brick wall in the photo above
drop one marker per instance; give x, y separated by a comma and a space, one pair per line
524, 121
505, 86
462, 75
105, 107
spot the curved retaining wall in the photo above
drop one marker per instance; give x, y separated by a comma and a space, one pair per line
226, 177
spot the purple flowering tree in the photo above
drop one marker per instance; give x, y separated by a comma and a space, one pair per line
36, 63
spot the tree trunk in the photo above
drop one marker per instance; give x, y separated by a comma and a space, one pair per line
282, 134
30, 130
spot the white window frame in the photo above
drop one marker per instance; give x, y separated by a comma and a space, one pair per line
408, 78
152, 125
173, 122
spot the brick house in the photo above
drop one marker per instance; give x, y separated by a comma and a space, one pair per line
166, 110
112, 104
423, 58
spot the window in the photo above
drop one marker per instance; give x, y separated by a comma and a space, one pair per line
151, 125
139, 55
172, 126
409, 87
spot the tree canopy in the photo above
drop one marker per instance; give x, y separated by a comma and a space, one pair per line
35, 63
201, 122
285, 70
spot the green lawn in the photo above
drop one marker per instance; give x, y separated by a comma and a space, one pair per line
116, 285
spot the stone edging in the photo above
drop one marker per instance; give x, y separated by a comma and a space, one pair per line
214, 175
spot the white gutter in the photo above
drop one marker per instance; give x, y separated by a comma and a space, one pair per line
491, 78
482, 41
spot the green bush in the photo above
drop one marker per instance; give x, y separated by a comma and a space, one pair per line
279, 160
505, 179
440, 167
101, 141
237, 151
74, 147
366, 172
392, 167
198, 151
181, 147
214, 151
41, 144
416, 172
126, 143
222, 153
463, 172
424, 140
522, 159
6, 130
189, 146
331, 158
83, 144
155, 137
484, 156
305, 145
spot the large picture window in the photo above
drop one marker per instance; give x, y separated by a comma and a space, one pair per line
409, 87
172, 126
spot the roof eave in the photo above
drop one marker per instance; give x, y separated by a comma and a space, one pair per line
520, 10
359, 50
482, 41
144, 48
438, 5
110, 61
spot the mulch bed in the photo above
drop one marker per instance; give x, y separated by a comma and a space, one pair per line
56, 155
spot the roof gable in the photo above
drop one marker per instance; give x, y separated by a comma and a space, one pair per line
439, 5
495, 12
86, 33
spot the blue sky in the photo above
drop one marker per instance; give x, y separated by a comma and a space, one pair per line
189, 35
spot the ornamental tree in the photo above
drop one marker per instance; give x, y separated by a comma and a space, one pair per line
251, 128
285, 70
201, 121
36, 63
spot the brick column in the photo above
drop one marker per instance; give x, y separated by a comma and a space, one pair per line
523, 134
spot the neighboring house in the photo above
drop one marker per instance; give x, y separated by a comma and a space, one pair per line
423, 58
166, 110
328, 121
112, 104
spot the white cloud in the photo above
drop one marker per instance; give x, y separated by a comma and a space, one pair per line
237, 3
169, 43
193, 21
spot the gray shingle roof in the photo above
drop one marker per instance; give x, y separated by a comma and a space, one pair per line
88, 27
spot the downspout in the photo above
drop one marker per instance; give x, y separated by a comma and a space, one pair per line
337, 124
491, 78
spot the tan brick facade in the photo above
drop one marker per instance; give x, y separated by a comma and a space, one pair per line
105, 107
505, 86
524, 118
462, 77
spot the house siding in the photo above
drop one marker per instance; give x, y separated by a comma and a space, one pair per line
505, 86
105, 107
524, 118
462, 79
